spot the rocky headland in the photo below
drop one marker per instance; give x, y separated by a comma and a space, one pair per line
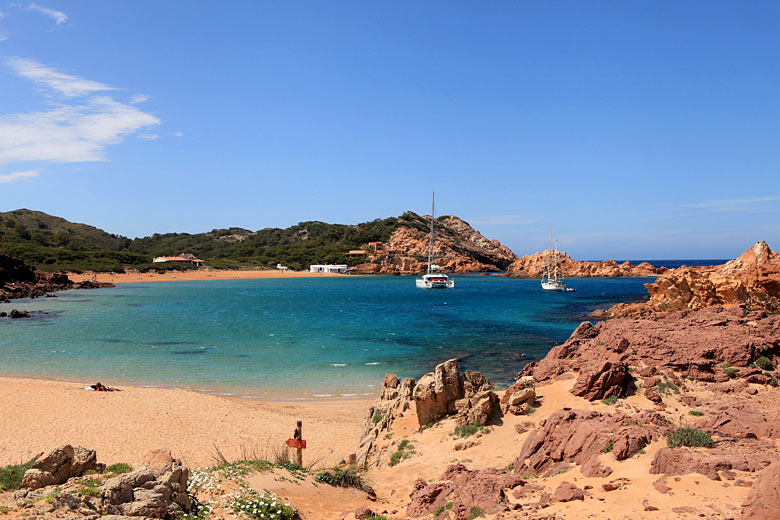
20, 280
752, 279
457, 248
532, 266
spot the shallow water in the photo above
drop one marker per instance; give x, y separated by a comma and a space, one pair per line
296, 337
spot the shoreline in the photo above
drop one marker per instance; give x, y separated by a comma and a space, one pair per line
123, 426
203, 274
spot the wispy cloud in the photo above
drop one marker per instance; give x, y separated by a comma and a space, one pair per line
26, 175
65, 84
177, 134
502, 220
137, 99
58, 16
149, 137
732, 204
67, 131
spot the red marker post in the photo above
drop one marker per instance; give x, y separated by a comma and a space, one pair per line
298, 443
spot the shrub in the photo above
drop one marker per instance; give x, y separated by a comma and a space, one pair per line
608, 446
666, 387
689, 437
764, 363
530, 410
773, 382
405, 450
731, 372
261, 506
11, 475
443, 508
611, 400
468, 430
696, 412
347, 479
475, 512
89, 488
378, 414
119, 468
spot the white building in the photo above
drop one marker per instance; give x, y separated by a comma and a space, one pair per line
337, 268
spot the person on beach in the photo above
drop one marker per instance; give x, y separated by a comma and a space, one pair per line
99, 387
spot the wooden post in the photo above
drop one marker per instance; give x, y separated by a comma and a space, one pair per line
299, 436
352, 461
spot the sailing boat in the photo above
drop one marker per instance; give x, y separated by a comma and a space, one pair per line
431, 279
553, 280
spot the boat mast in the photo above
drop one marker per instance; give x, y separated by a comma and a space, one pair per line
547, 265
555, 273
430, 245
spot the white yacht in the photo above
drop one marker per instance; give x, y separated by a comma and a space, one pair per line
432, 279
553, 280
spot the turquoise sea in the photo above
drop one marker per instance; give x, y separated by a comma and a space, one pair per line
292, 338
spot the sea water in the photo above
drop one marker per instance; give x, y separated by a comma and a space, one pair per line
297, 337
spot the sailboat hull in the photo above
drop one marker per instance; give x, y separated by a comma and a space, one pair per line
431, 284
553, 286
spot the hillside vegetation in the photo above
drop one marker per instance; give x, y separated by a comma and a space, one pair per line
52, 243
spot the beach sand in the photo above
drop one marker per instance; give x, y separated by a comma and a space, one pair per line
200, 274
38, 415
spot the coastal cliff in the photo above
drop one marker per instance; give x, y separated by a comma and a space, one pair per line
532, 266
752, 279
20, 280
457, 248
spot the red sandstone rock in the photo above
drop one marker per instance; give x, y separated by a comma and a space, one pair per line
763, 502
682, 461
566, 492
601, 379
532, 266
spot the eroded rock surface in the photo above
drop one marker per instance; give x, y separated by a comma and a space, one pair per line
59, 465
532, 266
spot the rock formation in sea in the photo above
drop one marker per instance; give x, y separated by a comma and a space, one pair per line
458, 248
19, 280
532, 266
752, 279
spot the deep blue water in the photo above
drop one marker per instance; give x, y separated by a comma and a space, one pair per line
304, 336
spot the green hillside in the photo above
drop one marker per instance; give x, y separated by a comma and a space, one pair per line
52, 243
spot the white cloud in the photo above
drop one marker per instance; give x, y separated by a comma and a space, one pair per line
177, 134
502, 220
137, 99
66, 132
26, 175
58, 16
732, 204
149, 137
69, 86
3, 37
2, 15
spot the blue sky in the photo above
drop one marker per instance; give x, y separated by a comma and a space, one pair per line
635, 129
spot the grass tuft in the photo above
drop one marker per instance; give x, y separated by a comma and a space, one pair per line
405, 450
475, 512
346, 479
764, 363
689, 437
611, 400
119, 468
378, 415
697, 413
608, 446
11, 475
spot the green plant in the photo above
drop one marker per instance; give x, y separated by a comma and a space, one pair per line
11, 475
429, 424
773, 382
689, 437
611, 400
467, 430
608, 446
378, 414
252, 504
4, 510
475, 512
530, 410
509, 467
89, 487
529, 476
764, 363
666, 387
696, 413
405, 450
119, 468
347, 479
443, 508
376, 517
731, 372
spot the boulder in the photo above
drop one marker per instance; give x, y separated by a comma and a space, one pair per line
519, 396
602, 379
682, 461
437, 391
763, 501
150, 492
566, 492
60, 464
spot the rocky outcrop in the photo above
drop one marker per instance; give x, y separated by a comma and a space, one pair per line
59, 465
693, 344
566, 492
578, 437
532, 266
602, 379
682, 461
464, 489
19, 280
763, 502
438, 394
457, 248
752, 280
149, 492
519, 397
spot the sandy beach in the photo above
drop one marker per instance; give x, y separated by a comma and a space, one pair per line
123, 426
201, 274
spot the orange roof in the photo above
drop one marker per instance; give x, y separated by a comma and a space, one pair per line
179, 259
356, 252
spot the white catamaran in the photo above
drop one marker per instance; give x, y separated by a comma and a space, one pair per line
431, 279
553, 280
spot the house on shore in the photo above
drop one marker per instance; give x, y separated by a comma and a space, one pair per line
183, 259
330, 268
